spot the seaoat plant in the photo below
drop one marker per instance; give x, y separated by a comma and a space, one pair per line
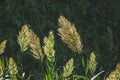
114, 75
49, 51
49, 47
12, 67
92, 63
35, 46
23, 38
2, 46
69, 34
68, 68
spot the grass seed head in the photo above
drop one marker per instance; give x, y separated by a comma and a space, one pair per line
68, 68
23, 38
35, 46
69, 35
12, 67
114, 75
49, 47
92, 63
2, 46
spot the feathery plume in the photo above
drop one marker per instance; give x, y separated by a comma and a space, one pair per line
35, 46
69, 35
12, 67
49, 47
2, 46
92, 63
68, 68
114, 75
23, 38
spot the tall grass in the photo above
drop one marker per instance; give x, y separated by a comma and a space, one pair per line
45, 54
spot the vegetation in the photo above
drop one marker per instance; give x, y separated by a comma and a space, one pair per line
91, 55
27, 39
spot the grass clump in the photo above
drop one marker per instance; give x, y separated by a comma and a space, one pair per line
29, 41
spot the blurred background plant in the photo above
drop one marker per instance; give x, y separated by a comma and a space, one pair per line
97, 22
